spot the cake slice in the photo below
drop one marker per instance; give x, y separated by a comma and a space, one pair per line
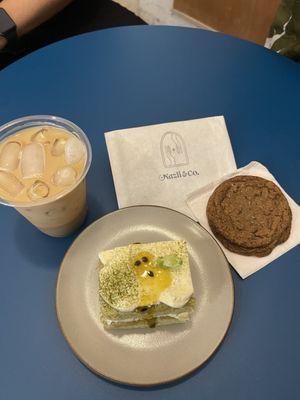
145, 285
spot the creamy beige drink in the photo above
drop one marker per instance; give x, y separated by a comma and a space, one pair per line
42, 170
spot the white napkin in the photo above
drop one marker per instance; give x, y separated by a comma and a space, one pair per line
161, 164
246, 265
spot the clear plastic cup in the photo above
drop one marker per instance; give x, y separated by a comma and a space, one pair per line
60, 215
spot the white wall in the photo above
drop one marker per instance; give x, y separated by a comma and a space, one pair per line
159, 12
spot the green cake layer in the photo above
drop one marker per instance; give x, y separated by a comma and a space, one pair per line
142, 317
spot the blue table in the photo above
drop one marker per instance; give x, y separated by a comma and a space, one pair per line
136, 76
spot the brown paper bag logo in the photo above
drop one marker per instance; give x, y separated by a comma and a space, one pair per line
173, 150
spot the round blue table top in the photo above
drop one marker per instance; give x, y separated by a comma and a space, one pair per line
134, 76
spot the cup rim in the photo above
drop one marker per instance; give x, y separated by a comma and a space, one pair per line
52, 120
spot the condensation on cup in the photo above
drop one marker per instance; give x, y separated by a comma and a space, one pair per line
43, 164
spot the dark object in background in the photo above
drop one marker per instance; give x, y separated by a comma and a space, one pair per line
79, 17
284, 35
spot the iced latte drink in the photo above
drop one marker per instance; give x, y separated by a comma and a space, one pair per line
43, 164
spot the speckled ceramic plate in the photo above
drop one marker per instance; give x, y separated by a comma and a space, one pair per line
145, 356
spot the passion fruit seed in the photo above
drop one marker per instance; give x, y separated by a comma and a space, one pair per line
137, 263
150, 273
145, 259
152, 322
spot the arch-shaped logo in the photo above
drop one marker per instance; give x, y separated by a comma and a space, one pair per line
173, 150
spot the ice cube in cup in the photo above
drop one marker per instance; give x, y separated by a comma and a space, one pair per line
10, 184
10, 156
58, 147
33, 160
65, 176
74, 150
38, 190
41, 136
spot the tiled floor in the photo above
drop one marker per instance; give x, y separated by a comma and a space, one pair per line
249, 20
159, 12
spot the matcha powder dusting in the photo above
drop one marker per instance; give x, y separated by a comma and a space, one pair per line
119, 287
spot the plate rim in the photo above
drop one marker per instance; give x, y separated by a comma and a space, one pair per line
135, 384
